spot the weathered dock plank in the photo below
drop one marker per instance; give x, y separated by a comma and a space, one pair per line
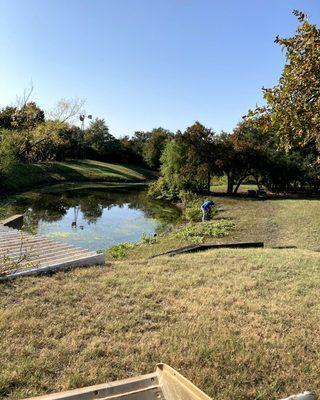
23, 254
207, 246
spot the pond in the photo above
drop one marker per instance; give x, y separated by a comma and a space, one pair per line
95, 218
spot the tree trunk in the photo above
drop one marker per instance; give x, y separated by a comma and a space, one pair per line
230, 182
239, 183
208, 182
256, 178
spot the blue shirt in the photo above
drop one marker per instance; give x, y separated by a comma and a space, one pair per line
207, 204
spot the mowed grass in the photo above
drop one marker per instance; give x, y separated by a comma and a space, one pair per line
26, 176
240, 324
275, 222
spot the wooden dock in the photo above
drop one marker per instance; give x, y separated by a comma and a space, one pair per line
24, 254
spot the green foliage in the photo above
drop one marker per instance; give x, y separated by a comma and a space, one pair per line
119, 250
160, 189
186, 196
147, 239
294, 103
26, 117
244, 153
197, 146
187, 162
198, 232
154, 146
139, 139
193, 212
7, 116
7, 152
99, 139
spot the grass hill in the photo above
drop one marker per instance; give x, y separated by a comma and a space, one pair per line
27, 176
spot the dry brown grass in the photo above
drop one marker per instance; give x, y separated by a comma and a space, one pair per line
239, 323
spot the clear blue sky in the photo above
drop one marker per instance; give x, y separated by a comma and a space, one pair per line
147, 63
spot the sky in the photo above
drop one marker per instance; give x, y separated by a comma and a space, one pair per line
142, 64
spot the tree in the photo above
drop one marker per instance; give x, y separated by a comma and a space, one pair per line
7, 117
26, 117
187, 162
154, 144
129, 151
198, 151
67, 110
244, 153
7, 153
99, 139
294, 103
138, 140
50, 141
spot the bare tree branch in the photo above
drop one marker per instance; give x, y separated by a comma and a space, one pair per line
67, 109
22, 100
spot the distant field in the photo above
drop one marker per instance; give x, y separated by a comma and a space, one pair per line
27, 176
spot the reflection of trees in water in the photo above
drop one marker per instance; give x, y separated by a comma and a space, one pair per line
91, 209
52, 207
46, 208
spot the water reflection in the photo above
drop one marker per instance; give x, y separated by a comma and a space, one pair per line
96, 219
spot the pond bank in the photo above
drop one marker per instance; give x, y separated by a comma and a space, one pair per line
24, 177
92, 216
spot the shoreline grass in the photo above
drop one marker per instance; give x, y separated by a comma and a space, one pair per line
23, 177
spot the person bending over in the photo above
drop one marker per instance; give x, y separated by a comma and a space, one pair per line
206, 210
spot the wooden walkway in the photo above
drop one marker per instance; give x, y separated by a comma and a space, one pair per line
24, 254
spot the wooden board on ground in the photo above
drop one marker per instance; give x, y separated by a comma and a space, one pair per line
207, 246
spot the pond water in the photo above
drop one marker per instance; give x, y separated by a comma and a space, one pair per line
95, 219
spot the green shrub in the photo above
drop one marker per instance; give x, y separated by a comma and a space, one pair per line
145, 239
186, 196
158, 189
197, 232
120, 250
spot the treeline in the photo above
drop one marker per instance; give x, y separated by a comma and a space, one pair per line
28, 136
277, 145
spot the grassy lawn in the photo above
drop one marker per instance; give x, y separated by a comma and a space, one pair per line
222, 188
276, 222
23, 177
239, 323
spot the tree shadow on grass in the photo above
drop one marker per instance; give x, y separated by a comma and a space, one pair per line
116, 170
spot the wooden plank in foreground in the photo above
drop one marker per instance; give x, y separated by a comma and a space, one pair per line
164, 384
207, 246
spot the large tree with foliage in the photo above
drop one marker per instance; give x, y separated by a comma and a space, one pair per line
154, 146
187, 162
244, 153
198, 144
294, 103
98, 138
26, 117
